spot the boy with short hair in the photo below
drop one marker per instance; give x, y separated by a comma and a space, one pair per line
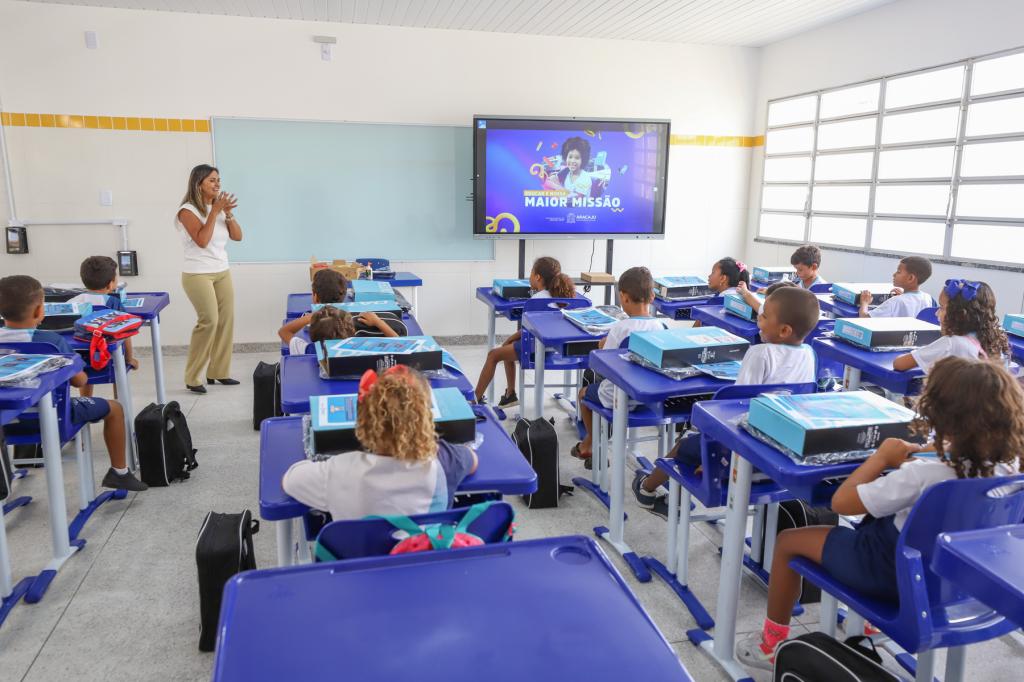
21, 305
329, 286
99, 276
907, 298
806, 260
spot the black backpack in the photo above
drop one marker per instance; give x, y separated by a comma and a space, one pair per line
538, 442
266, 393
816, 657
6, 472
165, 444
390, 319
797, 514
223, 548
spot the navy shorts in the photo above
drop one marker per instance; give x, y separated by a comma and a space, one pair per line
518, 345
688, 449
593, 393
89, 410
865, 558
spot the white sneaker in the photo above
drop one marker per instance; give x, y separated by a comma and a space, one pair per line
750, 653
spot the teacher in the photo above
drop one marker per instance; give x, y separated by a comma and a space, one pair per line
206, 222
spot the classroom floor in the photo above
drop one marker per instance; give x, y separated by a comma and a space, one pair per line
126, 607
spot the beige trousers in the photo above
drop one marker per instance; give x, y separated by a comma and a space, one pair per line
209, 352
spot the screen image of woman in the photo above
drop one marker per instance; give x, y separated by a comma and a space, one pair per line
573, 177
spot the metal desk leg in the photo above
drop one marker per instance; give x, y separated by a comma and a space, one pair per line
538, 378
491, 319
158, 359
415, 301
285, 542
124, 394
10, 594
956, 663
851, 378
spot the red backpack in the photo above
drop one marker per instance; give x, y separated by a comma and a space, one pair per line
99, 326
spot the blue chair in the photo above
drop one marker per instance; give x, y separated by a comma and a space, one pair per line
711, 489
825, 288
371, 537
932, 613
929, 315
553, 360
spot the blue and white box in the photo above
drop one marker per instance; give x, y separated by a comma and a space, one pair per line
770, 274
512, 289
820, 423
681, 287
683, 347
333, 420
67, 309
352, 356
849, 292
886, 332
1013, 323
593, 319
354, 308
371, 290
734, 304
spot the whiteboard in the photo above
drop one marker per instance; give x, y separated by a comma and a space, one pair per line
348, 190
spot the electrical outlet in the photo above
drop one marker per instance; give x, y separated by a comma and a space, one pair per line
106, 197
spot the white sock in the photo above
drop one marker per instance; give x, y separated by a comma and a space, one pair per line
120, 472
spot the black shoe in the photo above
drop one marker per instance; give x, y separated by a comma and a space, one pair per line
643, 498
508, 400
125, 481
660, 507
196, 389
226, 382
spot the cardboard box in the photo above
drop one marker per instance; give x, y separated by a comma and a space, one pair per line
682, 347
819, 423
1014, 324
882, 332
849, 292
597, 277
512, 289
364, 290
364, 307
769, 274
333, 420
352, 356
350, 270
735, 305
682, 286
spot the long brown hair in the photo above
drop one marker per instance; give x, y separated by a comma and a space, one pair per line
329, 323
978, 317
193, 195
558, 284
395, 418
978, 408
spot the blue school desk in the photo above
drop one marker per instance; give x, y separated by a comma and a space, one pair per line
14, 401
300, 379
633, 382
548, 609
1016, 347
502, 469
862, 364
411, 325
836, 309
717, 420
149, 310
988, 565
301, 303
552, 331
681, 310
716, 316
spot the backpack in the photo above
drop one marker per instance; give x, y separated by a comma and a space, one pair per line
816, 657
223, 548
165, 444
538, 442
390, 319
797, 514
6, 472
95, 328
266, 393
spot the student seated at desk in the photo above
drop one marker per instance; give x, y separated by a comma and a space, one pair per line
989, 437
806, 260
907, 299
326, 324
753, 300
636, 293
726, 275
547, 281
21, 305
970, 328
329, 287
99, 275
786, 318
403, 470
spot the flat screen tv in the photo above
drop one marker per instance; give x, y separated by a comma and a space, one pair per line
565, 178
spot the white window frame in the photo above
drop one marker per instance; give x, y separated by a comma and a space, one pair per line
951, 218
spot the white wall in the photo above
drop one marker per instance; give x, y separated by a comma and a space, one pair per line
901, 36
192, 66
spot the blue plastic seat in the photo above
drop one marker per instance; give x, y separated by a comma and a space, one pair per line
824, 288
932, 613
377, 537
929, 315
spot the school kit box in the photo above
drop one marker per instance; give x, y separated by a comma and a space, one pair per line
683, 347
1014, 324
352, 356
511, 289
333, 420
735, 305
350, 271
364, 290
769, 274
819, 423
682, 286
882, 332
849, 292
354, 308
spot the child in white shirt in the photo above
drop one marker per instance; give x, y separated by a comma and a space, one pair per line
726, 274
970, 328
907, 299
806, 260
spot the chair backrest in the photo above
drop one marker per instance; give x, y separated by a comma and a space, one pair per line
822, 288
929, 315
374, 263
377, 537
741, 391
551, 304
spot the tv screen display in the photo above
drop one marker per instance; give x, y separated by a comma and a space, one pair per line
566, 178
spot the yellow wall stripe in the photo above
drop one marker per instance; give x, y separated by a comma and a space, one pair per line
173, 125
718, 140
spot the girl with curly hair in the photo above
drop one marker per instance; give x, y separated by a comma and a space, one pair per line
970, 328
403, 468
976, 412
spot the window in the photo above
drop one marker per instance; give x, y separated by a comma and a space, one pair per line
929, 162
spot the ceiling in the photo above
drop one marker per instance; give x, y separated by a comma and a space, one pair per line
749, 23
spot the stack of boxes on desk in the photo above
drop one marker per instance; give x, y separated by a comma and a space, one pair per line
875, 333
682, 287
512, 289
849, 292
770, 274
340, 358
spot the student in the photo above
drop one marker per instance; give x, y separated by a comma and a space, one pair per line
21, 305
547, 281
726, 275
402, 469
329, 287
972, 438
907, 298
99, 275
325, 324
753, 300
636, 292
970, 328
806, 260
786, 318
